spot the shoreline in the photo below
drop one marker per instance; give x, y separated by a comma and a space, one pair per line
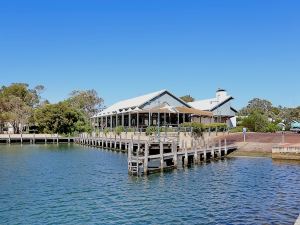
254, 154
263, 144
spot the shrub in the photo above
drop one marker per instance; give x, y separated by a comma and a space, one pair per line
256, 122
272, 128
130, 130
214, 126
151, 130
237, 129
118, 130
197, 128
106, 131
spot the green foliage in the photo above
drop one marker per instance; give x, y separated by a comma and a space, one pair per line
118, 130
256, 122
272, 128
214, 126
154, 129
187, 98
197, 128
106, 131
237, 129
60, 118
129, 129
257, 105
17, 102
151, 130
88, 101
266, 108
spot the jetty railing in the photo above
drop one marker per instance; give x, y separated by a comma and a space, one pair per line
148, 154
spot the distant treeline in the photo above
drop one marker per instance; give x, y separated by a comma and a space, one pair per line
261, 116
22, 108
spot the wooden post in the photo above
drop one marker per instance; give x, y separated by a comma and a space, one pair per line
225, 147
110, 141
129, 155
174, 149
220, 148
196, 157
186, 159
212, 151
146, 158
139, 144
161, 150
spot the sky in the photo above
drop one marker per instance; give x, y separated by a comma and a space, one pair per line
123, 49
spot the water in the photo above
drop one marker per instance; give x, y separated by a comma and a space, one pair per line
74, 185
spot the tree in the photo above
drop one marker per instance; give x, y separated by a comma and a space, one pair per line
263, 106
88, 101
60, 118
17, 104
18, 113
187, 98
256, 122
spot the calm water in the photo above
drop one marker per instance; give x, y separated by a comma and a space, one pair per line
75, 185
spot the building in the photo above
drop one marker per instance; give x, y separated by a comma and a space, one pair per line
220, 106
157, 108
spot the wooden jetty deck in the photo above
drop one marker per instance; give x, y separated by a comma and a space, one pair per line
34, 139
153, 155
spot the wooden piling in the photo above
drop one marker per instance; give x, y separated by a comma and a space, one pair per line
161, 150
146, 158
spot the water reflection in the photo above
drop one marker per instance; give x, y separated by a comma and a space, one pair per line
75, 185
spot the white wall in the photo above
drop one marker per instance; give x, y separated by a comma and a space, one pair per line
224, 110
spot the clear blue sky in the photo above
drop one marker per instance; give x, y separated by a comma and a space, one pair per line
127, 48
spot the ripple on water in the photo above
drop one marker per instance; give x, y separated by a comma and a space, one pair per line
42, 185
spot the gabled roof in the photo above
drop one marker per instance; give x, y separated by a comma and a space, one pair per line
135, 104
130, 104
210, 104
233, 109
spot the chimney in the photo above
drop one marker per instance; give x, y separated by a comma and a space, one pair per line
221, 94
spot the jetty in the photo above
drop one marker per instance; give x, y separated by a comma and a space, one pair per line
286, 151
34, 139
150, 154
